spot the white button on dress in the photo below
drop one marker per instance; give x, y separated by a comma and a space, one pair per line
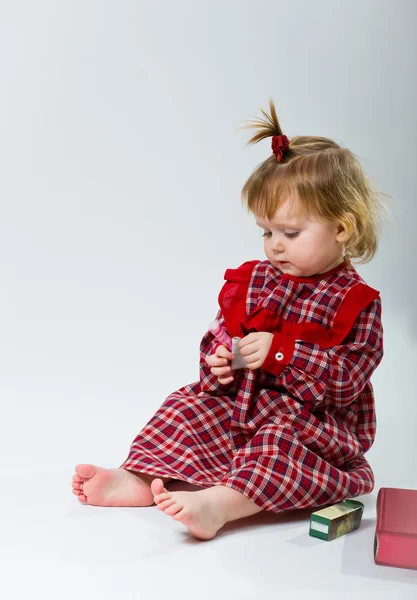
279, 356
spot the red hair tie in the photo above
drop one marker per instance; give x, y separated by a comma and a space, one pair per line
279, 144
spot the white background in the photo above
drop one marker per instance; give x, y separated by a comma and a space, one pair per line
121, 166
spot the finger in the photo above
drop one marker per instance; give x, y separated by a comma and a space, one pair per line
252, 359
223, 352
225, 380
214, 361
252, 365
249, 350
221, 371
248, 339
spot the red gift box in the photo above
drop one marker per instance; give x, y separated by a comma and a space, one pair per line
396, 528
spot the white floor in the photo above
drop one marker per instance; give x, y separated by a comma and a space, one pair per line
51, 547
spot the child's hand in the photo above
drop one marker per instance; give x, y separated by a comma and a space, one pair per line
255, 347
220, 366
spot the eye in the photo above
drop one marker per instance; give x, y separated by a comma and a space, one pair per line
292, 235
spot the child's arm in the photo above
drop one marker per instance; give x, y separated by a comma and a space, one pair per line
334, 376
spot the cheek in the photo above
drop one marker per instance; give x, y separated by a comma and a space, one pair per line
298, 246
305, 250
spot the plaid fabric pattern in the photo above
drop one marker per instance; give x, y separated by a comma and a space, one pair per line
309, 301
286, 441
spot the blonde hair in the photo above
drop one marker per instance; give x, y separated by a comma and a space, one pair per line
329, 182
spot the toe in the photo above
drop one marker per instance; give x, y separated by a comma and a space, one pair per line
86, 471
82, 498
173, 509
165, 504
77, 492
161, 497
178, 516
157, 487
77, 478
76, 485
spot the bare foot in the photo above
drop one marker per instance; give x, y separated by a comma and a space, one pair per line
111, 487
198, 511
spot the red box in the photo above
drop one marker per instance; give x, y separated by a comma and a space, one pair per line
395, 542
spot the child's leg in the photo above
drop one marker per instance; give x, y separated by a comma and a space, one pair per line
203, 512
112, 487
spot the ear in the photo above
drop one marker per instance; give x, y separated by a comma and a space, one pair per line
345, 228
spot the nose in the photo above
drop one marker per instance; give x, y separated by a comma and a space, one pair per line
277, 245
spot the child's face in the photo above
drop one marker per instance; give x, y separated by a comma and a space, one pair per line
303, 245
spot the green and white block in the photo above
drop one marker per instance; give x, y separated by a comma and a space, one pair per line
332, 522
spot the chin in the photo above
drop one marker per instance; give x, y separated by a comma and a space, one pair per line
290, 269
284, 266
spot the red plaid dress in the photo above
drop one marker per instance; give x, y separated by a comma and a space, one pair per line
293, 433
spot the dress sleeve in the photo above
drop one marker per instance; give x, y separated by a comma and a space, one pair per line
334, 376
209, 382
